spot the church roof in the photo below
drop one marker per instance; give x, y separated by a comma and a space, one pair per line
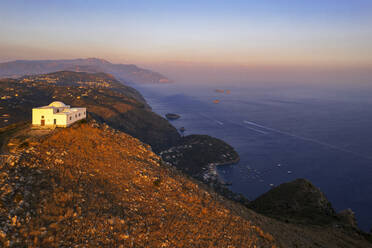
57, 104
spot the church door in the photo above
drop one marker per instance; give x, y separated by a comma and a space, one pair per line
43, 122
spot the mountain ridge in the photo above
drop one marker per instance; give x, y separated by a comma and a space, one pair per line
127, 73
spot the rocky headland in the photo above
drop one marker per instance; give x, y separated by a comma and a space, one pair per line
199, 155
300, 201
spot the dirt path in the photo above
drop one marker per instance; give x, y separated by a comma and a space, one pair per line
19, 135
6, 133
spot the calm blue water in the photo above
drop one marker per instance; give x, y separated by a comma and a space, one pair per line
283, 132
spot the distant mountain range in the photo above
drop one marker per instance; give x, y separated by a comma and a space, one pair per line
124, 72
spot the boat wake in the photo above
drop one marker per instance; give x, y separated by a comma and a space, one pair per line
212, 119
306, 139
253, 129
261, 129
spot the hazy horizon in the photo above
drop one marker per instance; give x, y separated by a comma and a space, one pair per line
245, 33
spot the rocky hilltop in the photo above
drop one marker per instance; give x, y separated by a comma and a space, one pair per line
93, 186
125, 72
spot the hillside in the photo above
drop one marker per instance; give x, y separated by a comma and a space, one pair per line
124, 72
99, 187
92, 186
106, 99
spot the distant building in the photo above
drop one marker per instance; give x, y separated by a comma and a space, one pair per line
57, 114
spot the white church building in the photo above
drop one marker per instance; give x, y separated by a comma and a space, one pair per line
57, 114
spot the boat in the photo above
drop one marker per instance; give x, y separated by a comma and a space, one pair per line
171, 116
216, 101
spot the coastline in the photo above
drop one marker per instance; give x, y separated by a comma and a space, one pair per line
206, 173
269, 158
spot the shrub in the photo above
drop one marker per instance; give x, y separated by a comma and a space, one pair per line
157, 182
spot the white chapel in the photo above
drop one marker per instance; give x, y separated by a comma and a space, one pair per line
57, 114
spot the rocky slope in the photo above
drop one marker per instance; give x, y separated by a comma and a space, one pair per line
96, 187
93, 186
124, 72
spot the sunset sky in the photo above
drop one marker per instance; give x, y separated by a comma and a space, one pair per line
244, 33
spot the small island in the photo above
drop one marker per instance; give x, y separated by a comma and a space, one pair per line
222, 91
171, 116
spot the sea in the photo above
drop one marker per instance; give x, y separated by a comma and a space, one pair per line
283, 131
